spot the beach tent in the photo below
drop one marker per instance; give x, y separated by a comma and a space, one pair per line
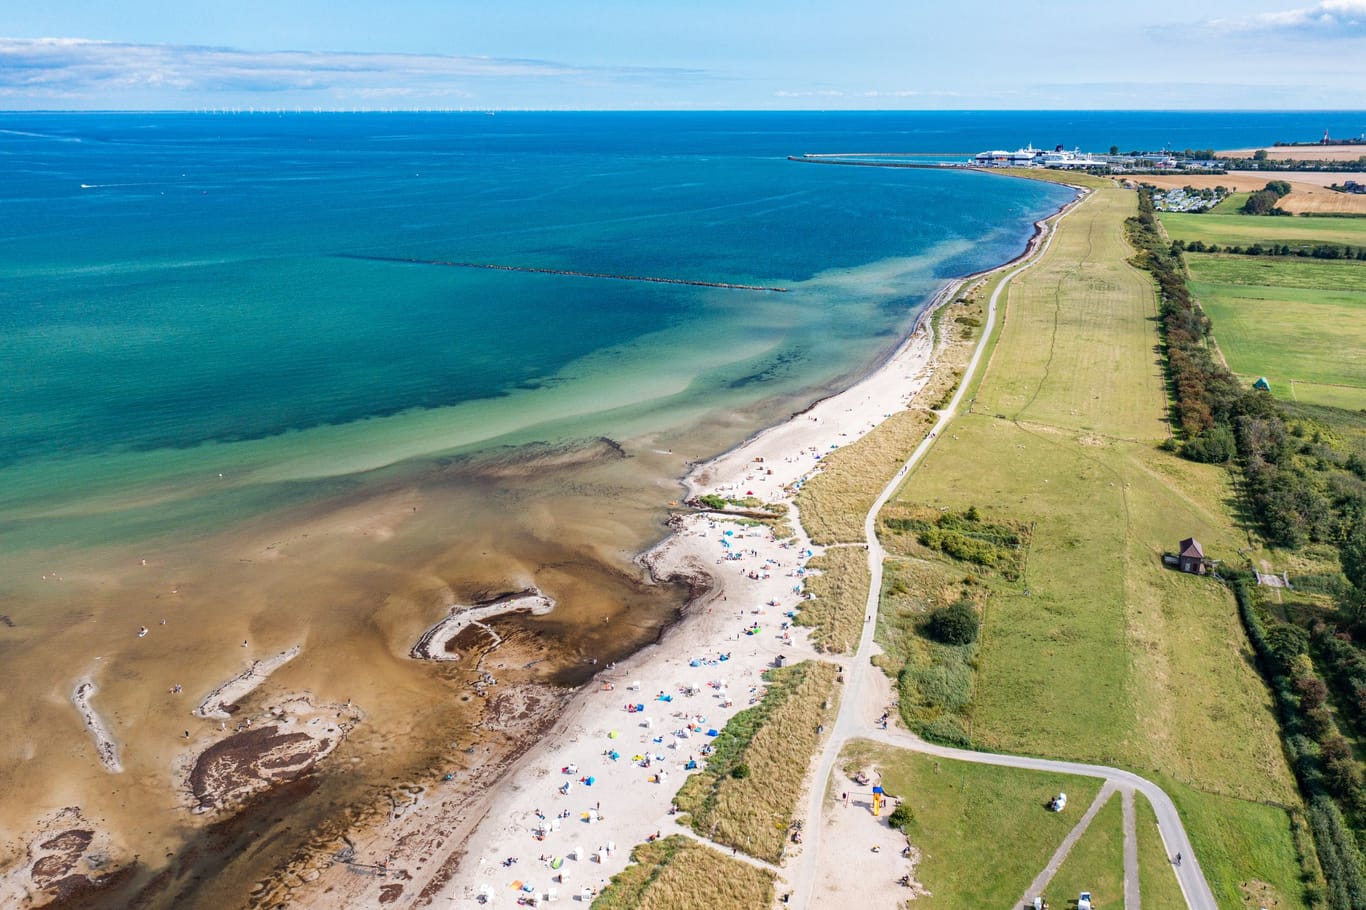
576, 854
1262, 385
612, 735
557, 862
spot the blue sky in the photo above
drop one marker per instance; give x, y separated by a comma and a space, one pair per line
703, 54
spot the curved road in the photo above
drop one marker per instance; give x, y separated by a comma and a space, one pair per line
855, 719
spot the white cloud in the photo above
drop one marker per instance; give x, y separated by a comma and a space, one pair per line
76, 67
1329, 17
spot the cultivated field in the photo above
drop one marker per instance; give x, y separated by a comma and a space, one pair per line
1308, 191
1264, 229
1299, 322
1303, 153
983, 832
1099, 653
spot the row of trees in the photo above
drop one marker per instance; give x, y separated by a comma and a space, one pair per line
1302, 484
1304, 251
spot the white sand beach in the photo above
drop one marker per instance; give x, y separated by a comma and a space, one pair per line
602, 781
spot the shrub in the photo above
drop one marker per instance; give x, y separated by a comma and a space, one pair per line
740, 771
901, 817
956, 624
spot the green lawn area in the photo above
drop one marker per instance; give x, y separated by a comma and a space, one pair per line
1096, 863
1157, 884
1230, 204
1245, 849
1300, 323
983, 832
1245, 229
1100, 654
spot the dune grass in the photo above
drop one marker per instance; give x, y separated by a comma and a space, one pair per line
833, 503
1096, 864
983, 832
836, 613
1157, 884
677, 873
747, 792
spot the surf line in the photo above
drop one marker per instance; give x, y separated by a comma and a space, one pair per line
570, 273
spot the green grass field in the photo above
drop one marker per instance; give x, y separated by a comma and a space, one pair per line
1300, 323
1245, 849
1246, 229
1230, 204
1100, 654
983, 832
1096, 863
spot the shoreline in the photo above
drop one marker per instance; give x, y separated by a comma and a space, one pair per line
218, 703
635, 805
106, 747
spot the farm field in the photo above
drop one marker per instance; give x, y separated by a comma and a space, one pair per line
972, 818
1300, 323
1247, 229
1099, 653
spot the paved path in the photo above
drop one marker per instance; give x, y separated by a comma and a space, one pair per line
856, 719
1041, 880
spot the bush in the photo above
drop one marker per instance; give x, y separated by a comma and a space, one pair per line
947, 730
740, 771
956, 624
901, 817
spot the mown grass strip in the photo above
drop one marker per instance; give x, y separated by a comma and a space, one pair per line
746, 795
678, 873
1096, 864
1157, 884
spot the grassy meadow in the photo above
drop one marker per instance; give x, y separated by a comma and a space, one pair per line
1299, 322
1246, 229
983, 832
1097, 652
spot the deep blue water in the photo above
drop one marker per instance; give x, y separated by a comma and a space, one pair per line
172, 284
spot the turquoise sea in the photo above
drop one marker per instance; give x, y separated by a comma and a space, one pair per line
178, 297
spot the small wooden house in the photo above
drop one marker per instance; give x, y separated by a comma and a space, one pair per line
1190, 557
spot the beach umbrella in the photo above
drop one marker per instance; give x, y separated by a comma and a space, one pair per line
612, 735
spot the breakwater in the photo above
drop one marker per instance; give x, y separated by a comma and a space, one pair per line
568, 272
852, 161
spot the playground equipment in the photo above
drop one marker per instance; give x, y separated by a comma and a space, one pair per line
878, 797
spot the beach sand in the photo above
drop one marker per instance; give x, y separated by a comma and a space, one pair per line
758, 580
